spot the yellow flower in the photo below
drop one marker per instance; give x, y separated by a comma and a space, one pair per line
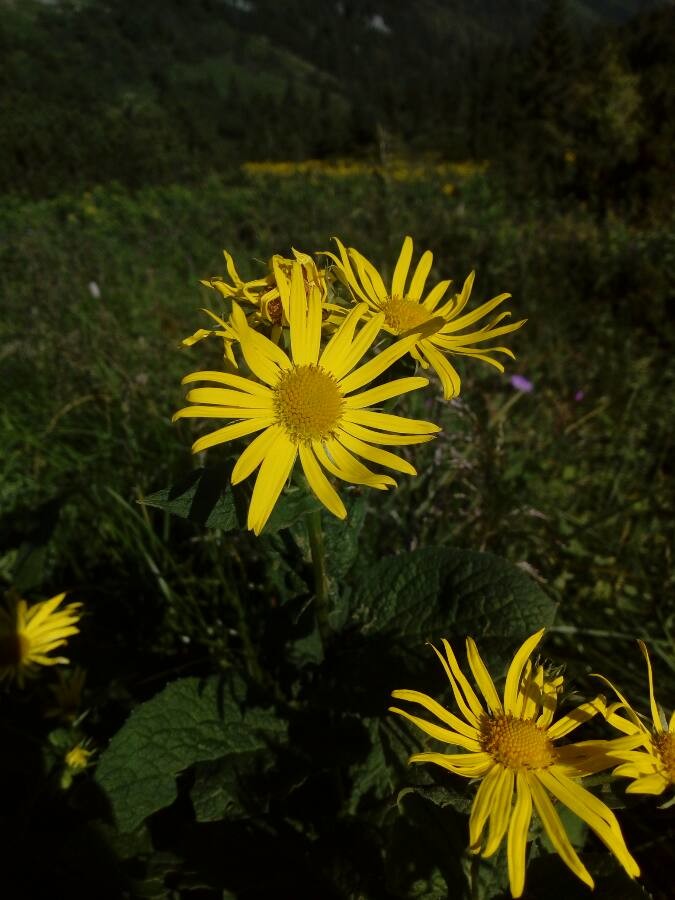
651, 764
510, 745
78, 758
29, 634
305, 404
404, 308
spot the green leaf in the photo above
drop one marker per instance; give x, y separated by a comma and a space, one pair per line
439, 592
207, 498
189, 721
204, 497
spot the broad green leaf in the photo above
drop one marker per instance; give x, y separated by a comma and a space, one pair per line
219, 790
189, 721
439, 592
207, 497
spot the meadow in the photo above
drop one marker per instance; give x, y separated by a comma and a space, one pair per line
569, 479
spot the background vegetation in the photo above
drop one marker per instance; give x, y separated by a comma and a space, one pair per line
122, 139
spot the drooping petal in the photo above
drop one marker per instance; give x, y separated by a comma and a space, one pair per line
320, 485
593, 811
273, 474
500, 813
482, 806
555, 830
519, 827
254, 454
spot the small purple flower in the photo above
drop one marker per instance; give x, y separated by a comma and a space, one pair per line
522, 384
579, 396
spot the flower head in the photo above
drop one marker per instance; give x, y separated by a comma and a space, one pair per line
404, 309
306, 404
29, 634
269, 296
78, 757
510, 745
651, 764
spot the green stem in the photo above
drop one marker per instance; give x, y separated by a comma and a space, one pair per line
316, 545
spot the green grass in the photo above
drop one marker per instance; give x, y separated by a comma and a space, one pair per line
574, 490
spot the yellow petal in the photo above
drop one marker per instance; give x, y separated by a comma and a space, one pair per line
482, 806
419, 279
402, 267
519, 827
230, 432
254, 454
437, 732
319, 484
555, 830
482, 676
436, 709
500, 813
375, 454
273, 474
513, 676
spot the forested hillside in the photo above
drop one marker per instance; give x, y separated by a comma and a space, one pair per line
167, 90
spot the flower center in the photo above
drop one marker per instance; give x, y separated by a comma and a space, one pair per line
665, 747
308, 403
14, 649
401, 314
516, 743
275, 311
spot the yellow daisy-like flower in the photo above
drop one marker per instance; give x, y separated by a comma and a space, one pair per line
306, 405
29, 634
510, 745
404, 309
651, 764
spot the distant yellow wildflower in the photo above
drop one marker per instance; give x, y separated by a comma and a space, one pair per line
305, 404
651, 764
29, 634
510, 745
403, 309
78, 758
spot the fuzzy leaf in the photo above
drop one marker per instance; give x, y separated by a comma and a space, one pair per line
189, 721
